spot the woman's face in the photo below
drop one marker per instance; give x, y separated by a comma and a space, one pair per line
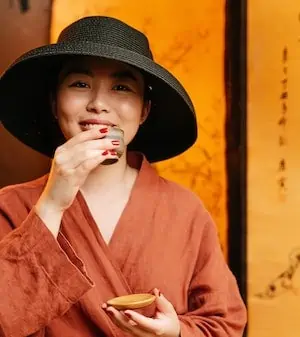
93, 92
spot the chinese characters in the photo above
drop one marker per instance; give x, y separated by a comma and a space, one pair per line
282, 122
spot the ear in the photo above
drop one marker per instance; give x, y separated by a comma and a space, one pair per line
145, 111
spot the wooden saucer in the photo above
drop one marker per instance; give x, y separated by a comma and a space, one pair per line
134, 301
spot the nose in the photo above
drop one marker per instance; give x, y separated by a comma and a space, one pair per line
98, 102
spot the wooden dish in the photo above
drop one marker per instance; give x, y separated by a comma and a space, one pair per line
134, 301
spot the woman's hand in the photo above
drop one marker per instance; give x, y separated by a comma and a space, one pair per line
72, 163
165, 322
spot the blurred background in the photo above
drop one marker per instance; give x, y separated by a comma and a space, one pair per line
240, 63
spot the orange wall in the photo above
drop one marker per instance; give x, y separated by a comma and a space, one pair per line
187, 38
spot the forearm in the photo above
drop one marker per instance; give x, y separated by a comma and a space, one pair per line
38, 280
49, 214
216, 314
216, 308
214, 326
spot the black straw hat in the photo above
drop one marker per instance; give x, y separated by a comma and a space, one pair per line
171, 127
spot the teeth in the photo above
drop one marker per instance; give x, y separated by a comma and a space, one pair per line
90, 126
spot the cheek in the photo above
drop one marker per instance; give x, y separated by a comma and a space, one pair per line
67, 110
68, 105
130, 117
130, 111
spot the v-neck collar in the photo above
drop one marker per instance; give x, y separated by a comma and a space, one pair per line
139, 203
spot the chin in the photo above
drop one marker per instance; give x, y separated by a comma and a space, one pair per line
129, 136
128, 141
68, 135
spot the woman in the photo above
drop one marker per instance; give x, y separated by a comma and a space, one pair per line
88, 232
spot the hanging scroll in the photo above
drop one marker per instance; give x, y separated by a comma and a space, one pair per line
273, 168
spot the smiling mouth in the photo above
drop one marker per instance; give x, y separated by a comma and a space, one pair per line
90, 124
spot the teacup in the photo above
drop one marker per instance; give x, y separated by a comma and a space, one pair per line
115, 132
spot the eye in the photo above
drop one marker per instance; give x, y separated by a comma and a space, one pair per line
121, 87
79, 84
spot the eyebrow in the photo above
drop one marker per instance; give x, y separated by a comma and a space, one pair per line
124, 74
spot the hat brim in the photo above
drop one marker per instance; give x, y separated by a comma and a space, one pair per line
169, 130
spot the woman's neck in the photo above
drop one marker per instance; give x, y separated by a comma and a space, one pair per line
108, 178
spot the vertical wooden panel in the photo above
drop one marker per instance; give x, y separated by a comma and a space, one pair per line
188, 39
236, 136
273, 168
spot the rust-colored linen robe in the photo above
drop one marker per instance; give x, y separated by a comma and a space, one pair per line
165, 239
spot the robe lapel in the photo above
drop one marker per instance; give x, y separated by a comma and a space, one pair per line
131, 233
99, 264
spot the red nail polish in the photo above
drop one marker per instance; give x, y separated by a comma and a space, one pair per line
105, 153
115, 142
113, 152
104, 130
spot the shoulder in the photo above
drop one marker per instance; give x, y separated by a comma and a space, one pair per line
16, 202
27, 192
185, 216
182, 200
180, 194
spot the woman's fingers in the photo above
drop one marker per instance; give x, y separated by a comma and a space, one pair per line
162, 304
126, 324
81, 137
79, 153
154, 326
93, 160
72, 163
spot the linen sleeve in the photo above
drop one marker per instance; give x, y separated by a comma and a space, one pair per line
216, 308
40, 277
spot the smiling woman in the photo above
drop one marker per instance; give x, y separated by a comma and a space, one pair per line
89, 232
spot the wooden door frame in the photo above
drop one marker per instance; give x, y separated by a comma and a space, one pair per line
236, 138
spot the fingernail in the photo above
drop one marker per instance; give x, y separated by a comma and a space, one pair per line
115, 142
127, 315
105, 153
157, 291
104, 130
113, 152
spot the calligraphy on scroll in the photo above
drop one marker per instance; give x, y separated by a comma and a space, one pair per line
282, 122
